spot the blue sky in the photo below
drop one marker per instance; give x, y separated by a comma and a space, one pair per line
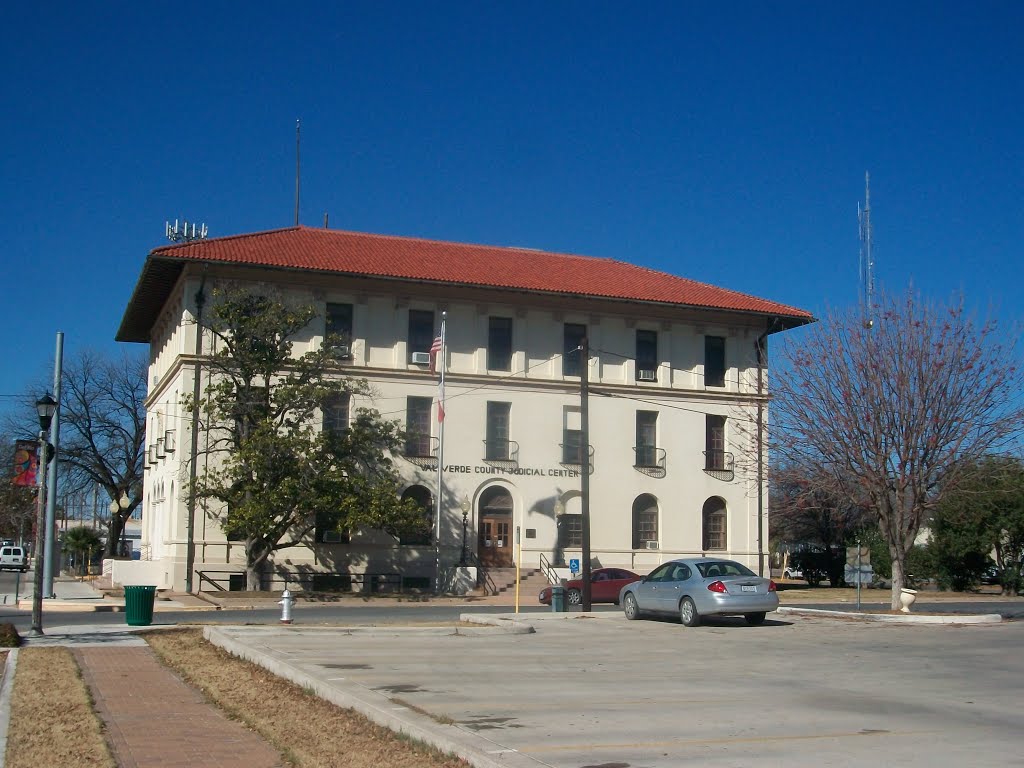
723, 143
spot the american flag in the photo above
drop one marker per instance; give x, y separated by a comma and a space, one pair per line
435, 350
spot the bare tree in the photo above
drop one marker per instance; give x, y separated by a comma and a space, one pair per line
896, 411
103, 431
17, 503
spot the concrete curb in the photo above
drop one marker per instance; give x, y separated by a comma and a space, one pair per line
6, 686
450, 739
90, 604
893, 618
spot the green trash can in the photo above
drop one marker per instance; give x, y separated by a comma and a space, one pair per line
138, 605
558, 598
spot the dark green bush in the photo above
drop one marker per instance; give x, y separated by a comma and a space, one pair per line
9, 637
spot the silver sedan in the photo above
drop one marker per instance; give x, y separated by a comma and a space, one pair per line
696, 587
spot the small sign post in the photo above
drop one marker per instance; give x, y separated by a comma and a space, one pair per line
574, 566
858, 565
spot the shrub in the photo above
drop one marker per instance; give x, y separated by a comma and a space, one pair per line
9, 637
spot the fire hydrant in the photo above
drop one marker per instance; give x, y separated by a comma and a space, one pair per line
286, 607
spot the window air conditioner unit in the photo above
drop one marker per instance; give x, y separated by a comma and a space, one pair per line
646, 376
421, 358
332, 537
652, 545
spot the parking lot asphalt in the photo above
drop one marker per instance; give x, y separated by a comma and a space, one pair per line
594, 690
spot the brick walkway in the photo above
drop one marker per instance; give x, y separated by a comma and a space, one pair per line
154, 720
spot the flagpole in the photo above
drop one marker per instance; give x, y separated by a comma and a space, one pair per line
440, 463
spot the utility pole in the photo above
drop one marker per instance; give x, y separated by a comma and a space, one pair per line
867, 259
585, 465
51, 478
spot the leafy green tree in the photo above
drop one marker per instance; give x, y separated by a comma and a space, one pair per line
82, 541
895, 410
275, 472
983, 515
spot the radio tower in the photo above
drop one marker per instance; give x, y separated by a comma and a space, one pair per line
867, 261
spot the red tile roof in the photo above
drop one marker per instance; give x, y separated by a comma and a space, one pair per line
406, 258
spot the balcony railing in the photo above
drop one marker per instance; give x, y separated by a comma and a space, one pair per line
421, 450
718, 461
649, 456
572, 453
501, 450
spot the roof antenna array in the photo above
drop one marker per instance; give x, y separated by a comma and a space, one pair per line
867, 260
185, 232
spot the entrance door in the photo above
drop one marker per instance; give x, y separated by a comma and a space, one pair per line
495, 546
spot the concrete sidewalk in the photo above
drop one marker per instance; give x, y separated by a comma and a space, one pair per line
73, 594
521, 687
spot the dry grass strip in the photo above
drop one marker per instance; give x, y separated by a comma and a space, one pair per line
53, 722
309, 731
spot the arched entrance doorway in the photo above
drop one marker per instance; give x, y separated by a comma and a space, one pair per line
494, 545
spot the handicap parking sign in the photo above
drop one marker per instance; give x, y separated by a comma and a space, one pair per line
574, 566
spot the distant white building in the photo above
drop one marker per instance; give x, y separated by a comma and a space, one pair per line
673, 363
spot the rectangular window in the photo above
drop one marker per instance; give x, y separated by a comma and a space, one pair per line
572, 446
714, 361
338, 330
497, 431
572, 357
417, 426
570, 531
499, 344
715, 442
646, 355
421, 331
336, 413
325, 533
646, 438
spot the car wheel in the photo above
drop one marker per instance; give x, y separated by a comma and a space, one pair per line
575, 597
754, 619
629, 607
688, 613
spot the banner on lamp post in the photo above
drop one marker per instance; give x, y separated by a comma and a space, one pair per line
26, 462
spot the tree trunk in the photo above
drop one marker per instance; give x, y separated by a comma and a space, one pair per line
256, 554
114, 530
898, 576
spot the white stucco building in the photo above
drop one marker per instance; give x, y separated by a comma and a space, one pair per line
675, 367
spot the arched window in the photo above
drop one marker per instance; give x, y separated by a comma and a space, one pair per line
425, 501
645, 522
714, 524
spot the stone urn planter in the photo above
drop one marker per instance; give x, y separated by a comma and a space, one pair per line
907, 598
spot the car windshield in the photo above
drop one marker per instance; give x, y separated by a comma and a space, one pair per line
719, 568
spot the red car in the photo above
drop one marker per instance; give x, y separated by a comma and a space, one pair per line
605, 584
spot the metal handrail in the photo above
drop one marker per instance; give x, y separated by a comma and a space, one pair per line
483, 577
548, 570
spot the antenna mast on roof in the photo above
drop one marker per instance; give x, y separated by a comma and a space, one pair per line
185, 232
867, 260
296, 173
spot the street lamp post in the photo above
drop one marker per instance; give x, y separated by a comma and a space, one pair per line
115, 506
45, 408
464, 504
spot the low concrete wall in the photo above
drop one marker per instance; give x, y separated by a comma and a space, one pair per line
138, 572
